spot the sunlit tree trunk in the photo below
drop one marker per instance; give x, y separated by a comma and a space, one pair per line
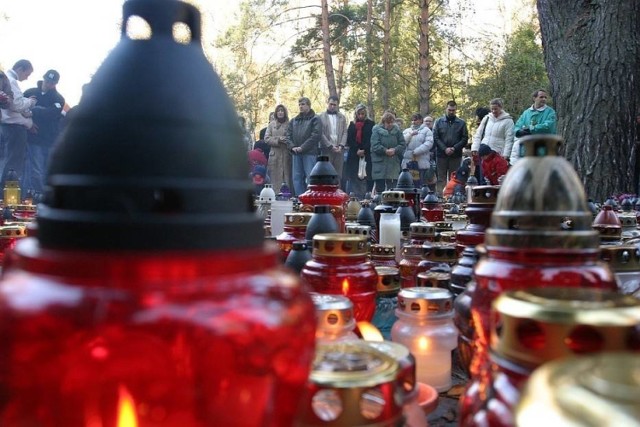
424, 72
592, 55
326, 50
386, 54
370, 59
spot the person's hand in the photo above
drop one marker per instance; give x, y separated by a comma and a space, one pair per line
448, 151
336, 148
34, 100
390, 152
523, 132
297, 150
33, 129
360, 153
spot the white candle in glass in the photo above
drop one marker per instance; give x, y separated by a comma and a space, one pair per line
433, 366
390, 233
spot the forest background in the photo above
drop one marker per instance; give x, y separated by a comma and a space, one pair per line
415, 55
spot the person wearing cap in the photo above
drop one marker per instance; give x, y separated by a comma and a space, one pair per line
47, 115
493, 164
15, 121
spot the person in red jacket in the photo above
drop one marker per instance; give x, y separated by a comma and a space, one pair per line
493, 165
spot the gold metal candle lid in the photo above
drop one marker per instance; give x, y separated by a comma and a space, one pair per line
334, 311
345, 381
621, 258
297, 219
392, 197
440, 252
425, 302
422, 229
433, 279
541, 324
595, 390
388, 280
12, 231
384, 251
339, 245
483, 194
542, 203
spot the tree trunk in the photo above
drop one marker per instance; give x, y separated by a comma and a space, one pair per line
370, 59
424, 71
592, 56
386, 54
326, 50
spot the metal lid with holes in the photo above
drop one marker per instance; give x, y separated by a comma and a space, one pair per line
542, 203
363, 230
379, 250
597, 390
392, 197
483, 194
353, 384
333, 311
413, 251
441, 252
388, 280
425, 302
434, 279
405, 359
621, 258
339, 245
541, 324
297, 219
422, 229
12, 231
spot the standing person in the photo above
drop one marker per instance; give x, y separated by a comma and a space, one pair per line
334, 134
279, 167
303, 139
47, 116
387, 149
450, 135
428, 122
246, 134
495, 130
419, 139
6, 94
359, 147
261, 143
537, 119
16, 121
493, 164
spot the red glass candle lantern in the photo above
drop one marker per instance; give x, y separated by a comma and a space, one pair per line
431, 208
339, 266
540, 325
295, 227
9, 236
383, 255
149, 293
324, 189
480, 203
540, 235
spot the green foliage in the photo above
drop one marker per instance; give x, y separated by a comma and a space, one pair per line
513, 75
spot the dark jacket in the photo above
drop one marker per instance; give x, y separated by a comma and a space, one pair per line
352, 156
46, 114
305, 131
450, 133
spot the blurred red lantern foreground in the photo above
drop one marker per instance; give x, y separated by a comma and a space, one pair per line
148, 297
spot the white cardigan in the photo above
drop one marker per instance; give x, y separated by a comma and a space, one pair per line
498, 134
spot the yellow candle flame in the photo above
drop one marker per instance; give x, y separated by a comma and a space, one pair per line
126, 409
369, 332
423, 344
345, 287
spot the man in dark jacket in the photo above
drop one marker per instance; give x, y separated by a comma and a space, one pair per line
450, 135
46, 126
303, 139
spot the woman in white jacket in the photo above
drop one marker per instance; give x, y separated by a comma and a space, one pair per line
496, 130
419, 139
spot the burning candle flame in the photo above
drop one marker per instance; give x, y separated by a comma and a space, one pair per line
423, 344
345, 287
369, 332
126, 409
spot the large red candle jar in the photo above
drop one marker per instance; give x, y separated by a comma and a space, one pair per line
339, 266
324, 189
539, 325
540, 235
149, 297
295, 227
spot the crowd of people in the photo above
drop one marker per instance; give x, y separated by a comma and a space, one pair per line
29, 125
369, 157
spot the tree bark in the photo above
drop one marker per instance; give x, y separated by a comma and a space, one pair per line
592, 56
326, 50
370, 59
424, 71
386, 54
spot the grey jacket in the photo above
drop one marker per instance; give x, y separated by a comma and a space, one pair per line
305, 131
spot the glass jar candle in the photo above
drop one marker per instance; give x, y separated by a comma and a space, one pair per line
421, 232
539, 325
411, 257
386, 300
339, 266
390, 232
383, 255
425, 326
295, 227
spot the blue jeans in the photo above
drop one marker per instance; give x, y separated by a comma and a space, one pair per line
14, 141
301, 169
35, 167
